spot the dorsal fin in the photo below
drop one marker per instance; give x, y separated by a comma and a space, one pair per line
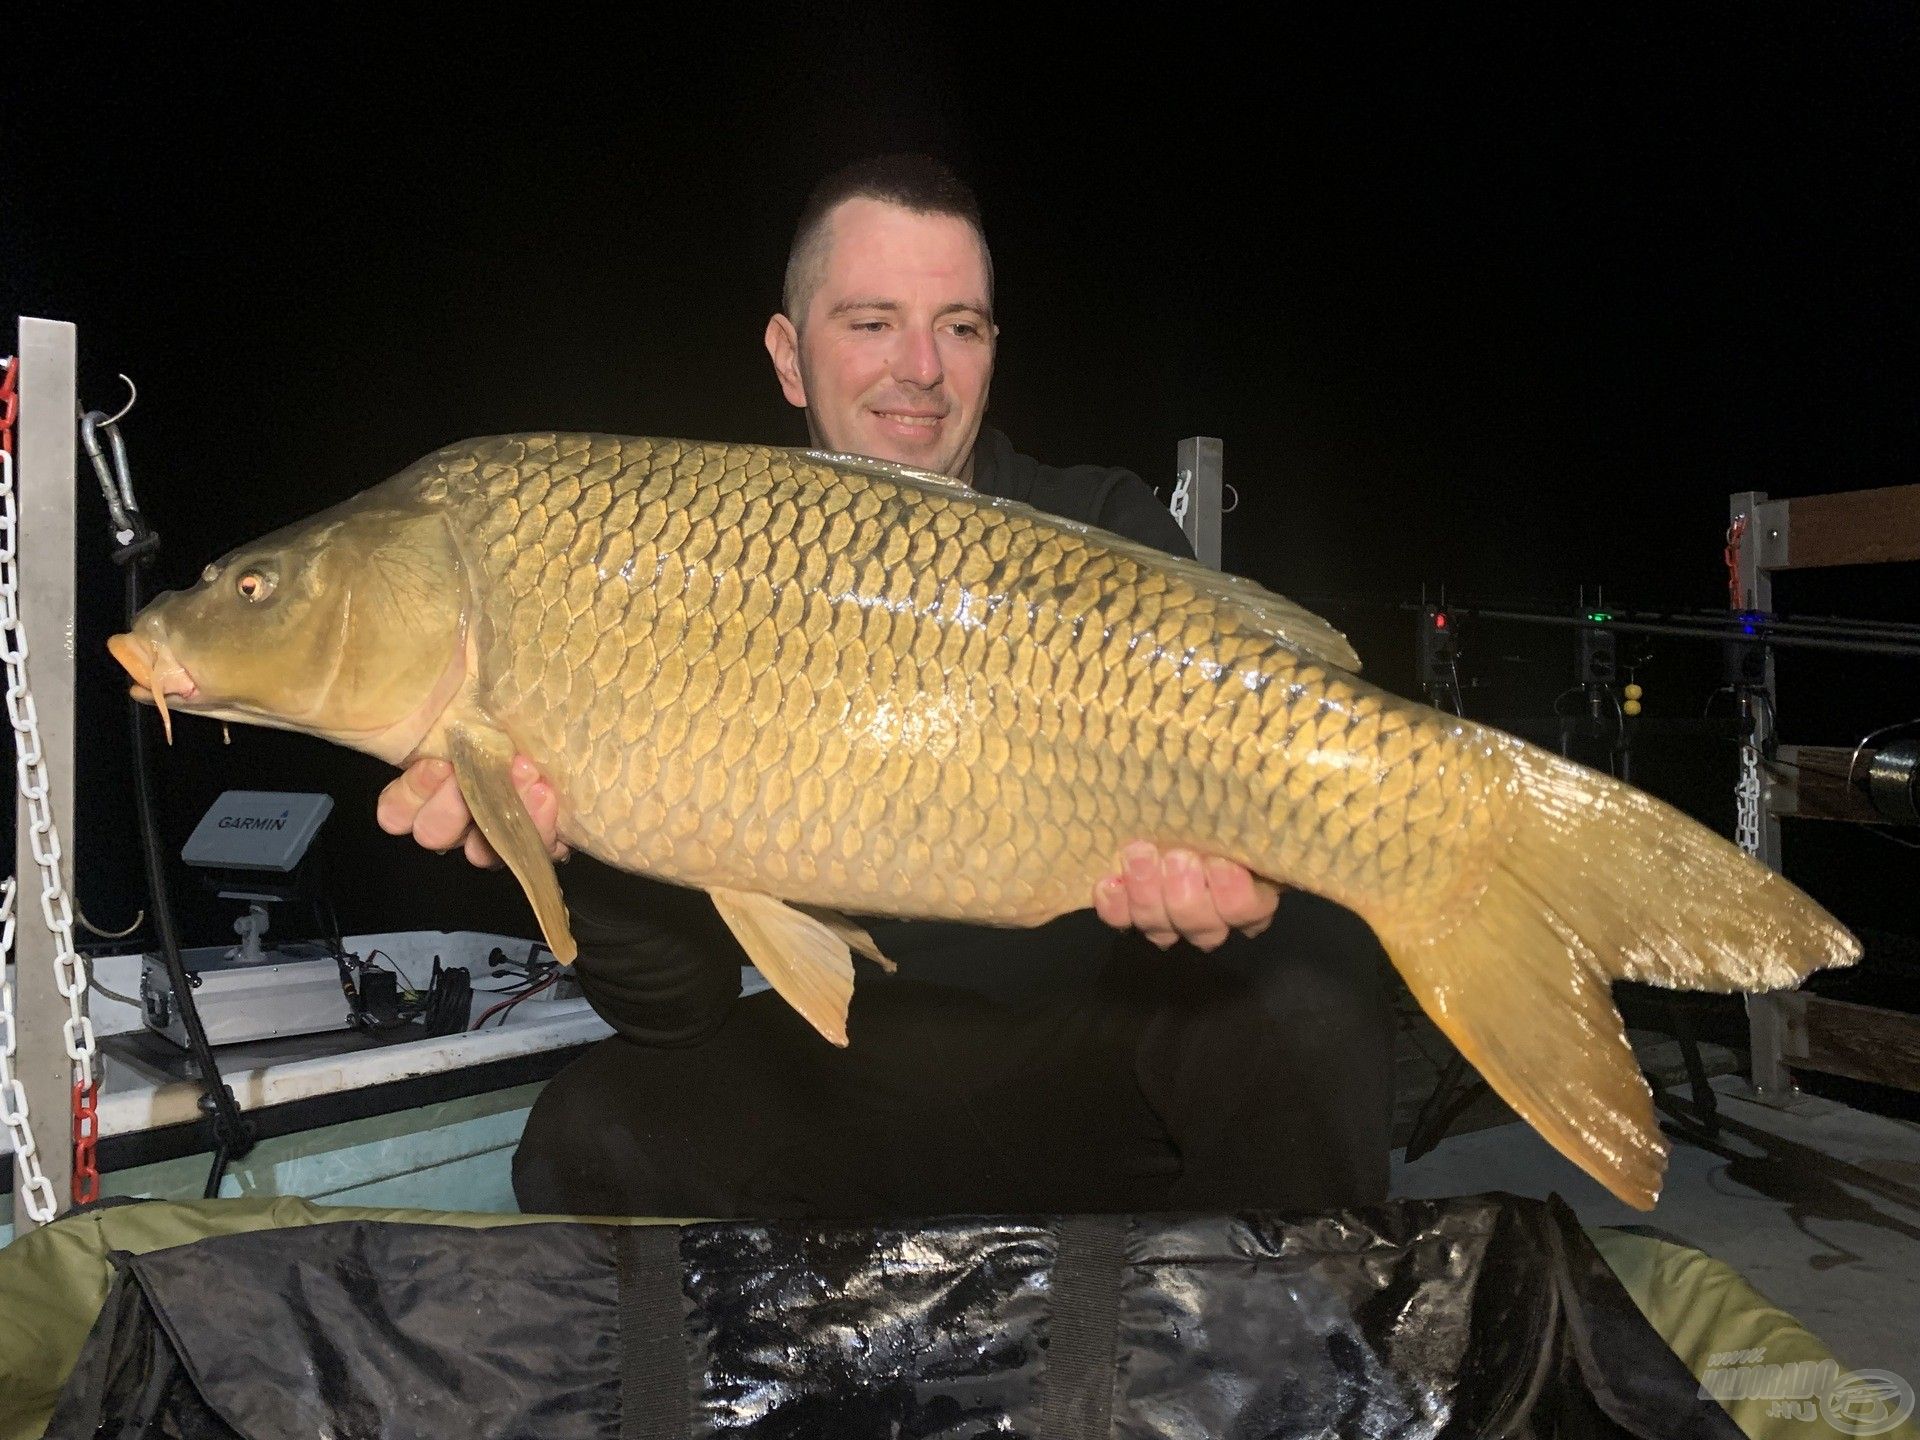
1264, 612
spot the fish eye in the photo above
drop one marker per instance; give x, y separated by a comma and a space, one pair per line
254, 585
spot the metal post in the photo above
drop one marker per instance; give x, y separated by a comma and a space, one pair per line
1766, 1017
44, 478
1202, 461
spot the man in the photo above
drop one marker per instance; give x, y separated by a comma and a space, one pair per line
1064, 1068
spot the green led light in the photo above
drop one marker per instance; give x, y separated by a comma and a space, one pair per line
1599, 615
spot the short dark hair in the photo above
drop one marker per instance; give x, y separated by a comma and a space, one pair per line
918, 183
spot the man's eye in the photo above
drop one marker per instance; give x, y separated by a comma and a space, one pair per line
966, 328
871, 326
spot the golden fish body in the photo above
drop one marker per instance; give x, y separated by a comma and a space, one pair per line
746, 668
816, 684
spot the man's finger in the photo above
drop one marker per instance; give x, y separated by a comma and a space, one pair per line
396, 807
1146, 897
543, 808
479, 852
1241, 897
1190, 905
444, 820
1110, 903
400, 802
543, 804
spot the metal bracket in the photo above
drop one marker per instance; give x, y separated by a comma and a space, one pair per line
44, 478
1772, 530
1201, 462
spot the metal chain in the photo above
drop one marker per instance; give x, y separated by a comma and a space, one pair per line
1183, 496
1736, 594
1746, 797
56, 909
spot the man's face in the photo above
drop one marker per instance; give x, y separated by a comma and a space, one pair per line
895, 353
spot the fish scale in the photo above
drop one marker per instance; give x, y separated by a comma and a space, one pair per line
819, 685
825, 569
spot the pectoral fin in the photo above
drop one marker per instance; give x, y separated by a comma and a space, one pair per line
482, 764
806, 954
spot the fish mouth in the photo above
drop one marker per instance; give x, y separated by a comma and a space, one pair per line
157, 674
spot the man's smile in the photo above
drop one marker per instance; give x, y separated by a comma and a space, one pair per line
909, 424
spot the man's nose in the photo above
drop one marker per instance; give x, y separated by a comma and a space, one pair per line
917, 361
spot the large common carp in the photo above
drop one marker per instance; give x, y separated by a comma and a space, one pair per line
813, 685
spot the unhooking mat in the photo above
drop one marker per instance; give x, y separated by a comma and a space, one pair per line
1469, 1317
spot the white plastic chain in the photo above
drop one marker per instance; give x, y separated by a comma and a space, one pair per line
1182, 494
55, 907
35, 1188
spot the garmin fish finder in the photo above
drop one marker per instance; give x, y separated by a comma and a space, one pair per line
252, 846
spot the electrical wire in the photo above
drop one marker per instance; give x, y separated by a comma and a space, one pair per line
514, 987
233, 1132
504, 1006
449, 1000
93, 983
81, 915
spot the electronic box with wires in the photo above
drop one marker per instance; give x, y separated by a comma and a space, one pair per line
256, 846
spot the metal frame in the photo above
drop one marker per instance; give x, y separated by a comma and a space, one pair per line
1761, 529
1860, 527
44, 477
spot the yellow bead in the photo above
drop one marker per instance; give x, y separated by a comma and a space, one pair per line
1634, 692
1632, 707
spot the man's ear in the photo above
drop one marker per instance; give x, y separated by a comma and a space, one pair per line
783, 345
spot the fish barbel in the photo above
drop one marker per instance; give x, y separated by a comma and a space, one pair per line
817, 685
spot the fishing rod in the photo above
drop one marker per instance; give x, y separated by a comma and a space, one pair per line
1873, 637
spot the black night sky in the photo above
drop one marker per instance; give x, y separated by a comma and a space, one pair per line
1474, 297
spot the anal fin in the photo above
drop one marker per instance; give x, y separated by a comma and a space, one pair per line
858, 940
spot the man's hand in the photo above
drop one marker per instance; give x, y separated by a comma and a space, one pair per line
426, 802
1183, 896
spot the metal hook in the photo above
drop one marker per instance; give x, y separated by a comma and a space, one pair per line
133, 398
1229, 509
116, 485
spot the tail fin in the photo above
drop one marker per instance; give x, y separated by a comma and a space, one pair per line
1596, 882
